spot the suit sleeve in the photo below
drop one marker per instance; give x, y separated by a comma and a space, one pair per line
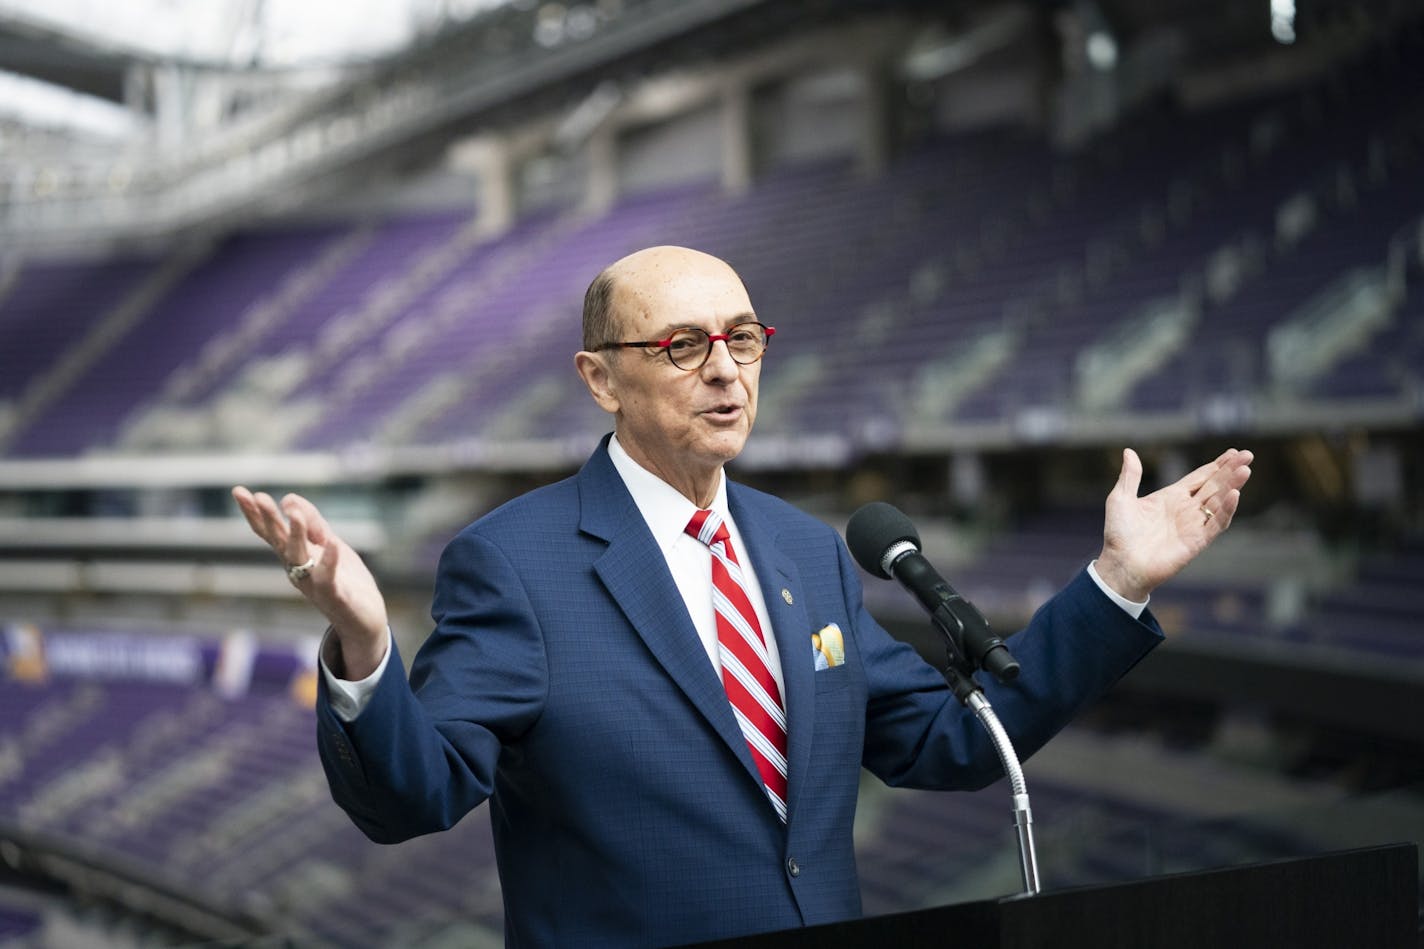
423, 753
917, 734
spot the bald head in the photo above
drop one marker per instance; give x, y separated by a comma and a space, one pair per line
682, 423
642, 283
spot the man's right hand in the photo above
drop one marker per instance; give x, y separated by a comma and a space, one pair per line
338, 582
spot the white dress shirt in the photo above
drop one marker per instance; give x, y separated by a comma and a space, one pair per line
689, 560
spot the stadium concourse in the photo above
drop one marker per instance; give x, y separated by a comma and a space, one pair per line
998, 243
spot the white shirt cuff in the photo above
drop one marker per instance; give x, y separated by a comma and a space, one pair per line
348, 698
1132, 608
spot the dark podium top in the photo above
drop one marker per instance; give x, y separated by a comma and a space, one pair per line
1361, 899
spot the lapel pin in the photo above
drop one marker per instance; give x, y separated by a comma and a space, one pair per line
786, 595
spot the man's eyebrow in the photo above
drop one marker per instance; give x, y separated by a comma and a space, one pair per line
669, 328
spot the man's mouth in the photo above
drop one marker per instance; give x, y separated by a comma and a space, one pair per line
724, 411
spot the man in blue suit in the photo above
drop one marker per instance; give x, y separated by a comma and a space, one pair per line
575, 678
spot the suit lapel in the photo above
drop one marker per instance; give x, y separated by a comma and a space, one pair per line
636, 576
777, 575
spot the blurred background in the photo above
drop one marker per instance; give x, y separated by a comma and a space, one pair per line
340, 248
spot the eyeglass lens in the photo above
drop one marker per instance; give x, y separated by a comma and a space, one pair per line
689, 348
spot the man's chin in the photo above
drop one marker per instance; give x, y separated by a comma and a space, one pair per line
727, 444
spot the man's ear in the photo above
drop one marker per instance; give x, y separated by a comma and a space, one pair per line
595, 372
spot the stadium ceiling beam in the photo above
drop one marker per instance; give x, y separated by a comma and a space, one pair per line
428, 95
61, 60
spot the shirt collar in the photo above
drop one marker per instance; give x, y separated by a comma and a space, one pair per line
662, 506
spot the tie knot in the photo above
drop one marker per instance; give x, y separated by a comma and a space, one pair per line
707, 527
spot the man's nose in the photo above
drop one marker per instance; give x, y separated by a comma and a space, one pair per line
720, 366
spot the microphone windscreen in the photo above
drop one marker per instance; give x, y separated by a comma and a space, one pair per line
872, 530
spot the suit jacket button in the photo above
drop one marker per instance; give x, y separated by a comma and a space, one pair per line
792, 867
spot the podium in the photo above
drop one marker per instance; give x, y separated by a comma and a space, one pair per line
1360, 899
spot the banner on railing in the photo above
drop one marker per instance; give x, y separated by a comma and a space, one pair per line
233, 665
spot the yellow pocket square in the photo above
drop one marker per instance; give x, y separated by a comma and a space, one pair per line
828, 647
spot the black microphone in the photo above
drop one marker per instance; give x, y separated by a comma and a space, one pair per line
885, 543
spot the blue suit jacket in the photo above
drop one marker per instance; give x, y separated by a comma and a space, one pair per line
565, 683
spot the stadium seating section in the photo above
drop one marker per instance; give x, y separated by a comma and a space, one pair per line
185, 788
986, 250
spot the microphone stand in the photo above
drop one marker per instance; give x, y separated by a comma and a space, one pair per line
958, 673
968, 642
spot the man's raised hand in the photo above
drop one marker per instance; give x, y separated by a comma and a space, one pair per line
1148, 540
337, 582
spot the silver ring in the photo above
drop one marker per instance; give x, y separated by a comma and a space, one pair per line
298, 572
1206, 514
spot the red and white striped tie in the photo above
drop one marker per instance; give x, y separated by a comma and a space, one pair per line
745, 673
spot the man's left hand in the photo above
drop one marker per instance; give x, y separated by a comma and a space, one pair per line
1148, 540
